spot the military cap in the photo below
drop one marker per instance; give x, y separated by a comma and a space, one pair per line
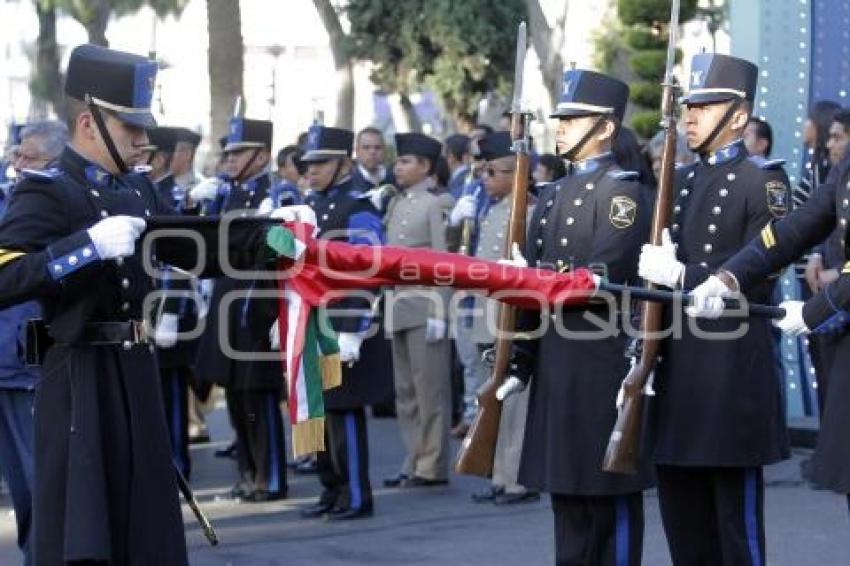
163, 139
325, 143
588, 93
495, 145
245, 133
113, 80
419, 145
718, 78
187, 135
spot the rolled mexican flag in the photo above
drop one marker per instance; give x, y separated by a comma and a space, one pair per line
312, 270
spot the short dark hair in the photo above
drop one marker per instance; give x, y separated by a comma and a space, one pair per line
441, 170
457, 145
554, 164
296, 153
486, 128
764, 132
368, 130
74, 108
842, 116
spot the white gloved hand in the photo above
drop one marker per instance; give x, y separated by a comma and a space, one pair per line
465, 208
792, 323
349, 346
518, 260
511, 386
205, 190
707, 298
658, 264
166, 332
115, 236
380, 196
274, 335
266, 207
435, 330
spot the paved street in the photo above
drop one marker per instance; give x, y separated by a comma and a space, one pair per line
441, 525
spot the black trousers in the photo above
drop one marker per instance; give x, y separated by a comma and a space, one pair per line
713, 516
602, 530
260, 441
175, 400
344, 465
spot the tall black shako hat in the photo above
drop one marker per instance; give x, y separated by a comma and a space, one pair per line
588, 93
419, 145
495, 145
244, 133
324, 143
119, 82
719, 78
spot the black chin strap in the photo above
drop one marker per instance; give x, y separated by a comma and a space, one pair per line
247, 165
104, 134
335, 175
571, 153
701, 149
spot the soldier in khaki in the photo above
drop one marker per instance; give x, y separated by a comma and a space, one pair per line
492, 214
418, 322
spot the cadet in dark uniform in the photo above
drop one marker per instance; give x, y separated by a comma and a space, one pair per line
254, 387
175, 314
343, 213
106, 486
718, 414
826, 313
597, 217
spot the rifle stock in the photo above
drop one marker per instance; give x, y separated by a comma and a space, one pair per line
623, 450
479, 447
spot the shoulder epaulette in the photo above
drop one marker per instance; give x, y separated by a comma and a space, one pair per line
41, 175
763, 163
625, 175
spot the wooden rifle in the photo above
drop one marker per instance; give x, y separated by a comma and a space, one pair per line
623, 450
479, 447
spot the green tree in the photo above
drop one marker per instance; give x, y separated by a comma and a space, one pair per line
647, 23
461, 50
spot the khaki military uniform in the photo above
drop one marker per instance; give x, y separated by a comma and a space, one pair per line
421, 369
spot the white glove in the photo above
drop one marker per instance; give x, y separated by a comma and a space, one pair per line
165, 335
205, 190
792, 323
518, 259
266, 207
658, 264
435, 330
465, 208
511, 386
115, 236
349, 346
707, 298
379, 196
274, 335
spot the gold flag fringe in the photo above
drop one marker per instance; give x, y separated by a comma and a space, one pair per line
331, 371
308, 437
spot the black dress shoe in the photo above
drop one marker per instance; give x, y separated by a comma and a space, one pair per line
316, 510
262, 496
488, 495
348, 514
199, 439
227, 452
241, 490
514, 498
395, 481
417, 481
308, 466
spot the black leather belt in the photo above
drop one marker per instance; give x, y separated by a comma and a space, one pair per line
125, 333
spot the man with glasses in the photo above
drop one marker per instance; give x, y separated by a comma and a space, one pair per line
595, 217
41, 144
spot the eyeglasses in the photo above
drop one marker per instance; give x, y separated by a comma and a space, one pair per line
492, 171
371, 147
